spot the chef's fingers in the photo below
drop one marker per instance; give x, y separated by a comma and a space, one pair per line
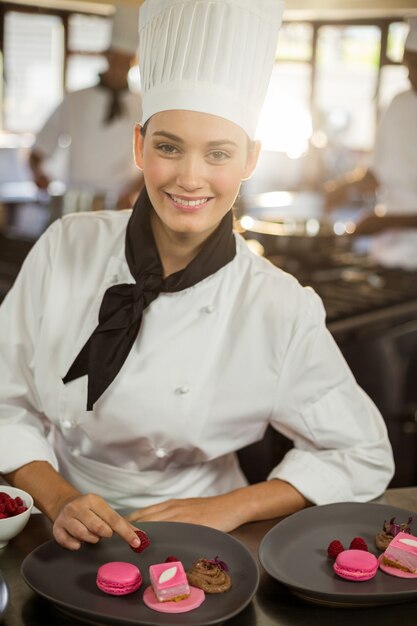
118, 525
64, 539
98, 518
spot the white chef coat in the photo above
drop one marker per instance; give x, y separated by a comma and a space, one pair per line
99, 157
394, 162
211, 367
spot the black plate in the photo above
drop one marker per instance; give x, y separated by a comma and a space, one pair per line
68, 578
294, 552
4, 595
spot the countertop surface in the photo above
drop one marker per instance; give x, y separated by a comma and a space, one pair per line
273, 603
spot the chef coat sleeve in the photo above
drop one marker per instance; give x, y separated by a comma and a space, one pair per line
341, 448
47, 139
23, 426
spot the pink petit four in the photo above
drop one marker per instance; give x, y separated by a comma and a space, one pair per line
401, 554
118, 578
356, 565
169, 581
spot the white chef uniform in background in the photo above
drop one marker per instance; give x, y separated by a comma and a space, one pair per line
98, 157
213, 364
394, 162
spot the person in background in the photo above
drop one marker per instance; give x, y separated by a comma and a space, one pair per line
140, 350
392, 174
96, 126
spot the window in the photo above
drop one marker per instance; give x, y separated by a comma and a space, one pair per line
285, 122
33, 69
393, 76
88, 35
347, 73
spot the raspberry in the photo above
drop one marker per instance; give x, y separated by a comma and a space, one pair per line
334, 548
144, 541
358, 544
171, 559
9, 507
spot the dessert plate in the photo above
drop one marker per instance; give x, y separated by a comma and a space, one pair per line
4, 595
294, 552
68, 579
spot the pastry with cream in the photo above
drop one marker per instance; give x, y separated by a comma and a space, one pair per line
400, 558
211, 575
389, 531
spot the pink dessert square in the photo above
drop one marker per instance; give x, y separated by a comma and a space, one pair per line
169, 581
402, 553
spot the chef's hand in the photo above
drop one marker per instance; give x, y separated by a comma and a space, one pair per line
87, 519
218, 512
41, 180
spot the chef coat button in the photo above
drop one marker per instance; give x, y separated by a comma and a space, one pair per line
210, 308
161, 453
75, 451
182, 390
67, 423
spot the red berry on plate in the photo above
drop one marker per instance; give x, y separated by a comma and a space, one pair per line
358, 544
171, 559
334, 548
144, 540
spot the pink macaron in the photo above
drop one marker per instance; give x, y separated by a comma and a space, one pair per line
118, 578
356, 565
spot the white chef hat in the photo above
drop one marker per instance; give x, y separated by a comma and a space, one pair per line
411, 39
124, 35
211, 56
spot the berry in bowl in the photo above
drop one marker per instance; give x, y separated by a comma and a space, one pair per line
15, 509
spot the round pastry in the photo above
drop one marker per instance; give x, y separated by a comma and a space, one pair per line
118, 578
356, 565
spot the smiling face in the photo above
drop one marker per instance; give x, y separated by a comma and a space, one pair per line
193, 164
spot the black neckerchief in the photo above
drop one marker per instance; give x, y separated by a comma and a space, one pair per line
115, 108
122, 306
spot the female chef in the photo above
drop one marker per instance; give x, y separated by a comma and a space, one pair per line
140, 350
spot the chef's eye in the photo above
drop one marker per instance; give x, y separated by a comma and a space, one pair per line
219, 155
166, 148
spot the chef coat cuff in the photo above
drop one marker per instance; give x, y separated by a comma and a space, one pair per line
20, 445
315, 480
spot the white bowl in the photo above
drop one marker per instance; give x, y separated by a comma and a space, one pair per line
11, 526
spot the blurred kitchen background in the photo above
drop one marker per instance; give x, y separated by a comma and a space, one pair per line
338, 66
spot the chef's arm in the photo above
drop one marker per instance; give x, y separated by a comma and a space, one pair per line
35, 164
357, 184
372, 224
76, 517
261, 501
265, 500
50, 491
27, 459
